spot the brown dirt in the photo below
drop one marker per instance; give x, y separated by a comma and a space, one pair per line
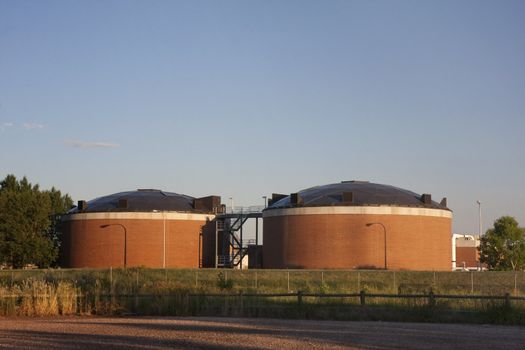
235, 333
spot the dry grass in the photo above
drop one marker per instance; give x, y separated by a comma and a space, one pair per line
36, 297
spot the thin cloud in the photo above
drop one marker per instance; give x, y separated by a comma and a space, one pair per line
5, 126
31, 126
83, 144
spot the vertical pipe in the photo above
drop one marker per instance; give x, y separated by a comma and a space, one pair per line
216, 243
164, 240
256, 231
241, 255
125, 246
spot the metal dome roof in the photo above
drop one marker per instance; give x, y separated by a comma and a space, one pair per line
356, 193
139, 201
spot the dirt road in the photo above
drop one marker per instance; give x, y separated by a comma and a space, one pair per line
230, 333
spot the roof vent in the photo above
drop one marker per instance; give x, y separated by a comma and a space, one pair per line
82, 205
295, 199
209, 203
276, 197
355, 182
426, 199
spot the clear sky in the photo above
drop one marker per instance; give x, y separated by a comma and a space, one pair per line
245, 98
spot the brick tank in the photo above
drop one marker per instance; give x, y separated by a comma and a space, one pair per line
357, 225
146, 228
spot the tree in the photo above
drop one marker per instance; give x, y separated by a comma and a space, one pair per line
28, 223
503, 247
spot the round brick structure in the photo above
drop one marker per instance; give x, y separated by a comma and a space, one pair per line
149, 228
356, 224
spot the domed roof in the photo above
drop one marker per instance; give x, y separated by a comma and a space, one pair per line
139, 201
356, 193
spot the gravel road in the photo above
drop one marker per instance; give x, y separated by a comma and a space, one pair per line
236, 333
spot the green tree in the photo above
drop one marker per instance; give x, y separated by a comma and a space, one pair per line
29, 219
503, 247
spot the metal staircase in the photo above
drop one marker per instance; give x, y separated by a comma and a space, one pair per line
231, 247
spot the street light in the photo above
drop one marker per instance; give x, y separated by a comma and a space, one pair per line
480, 224
125, 239
265, 201
384, 234
480, 229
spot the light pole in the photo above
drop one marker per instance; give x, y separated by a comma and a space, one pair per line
480, 224
384, 235
231, 204
480, 229
265, 201
125, 240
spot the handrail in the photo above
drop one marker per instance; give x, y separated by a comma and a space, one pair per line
244, 210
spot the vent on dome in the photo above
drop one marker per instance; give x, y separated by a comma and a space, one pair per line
426, 199
276, 197
82, 205
295, 199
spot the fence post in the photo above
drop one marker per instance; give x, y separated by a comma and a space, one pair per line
507, 300
472, 282
111, 290
300, 298
137, 291
241, 302
431, 299
362, 297
394, 282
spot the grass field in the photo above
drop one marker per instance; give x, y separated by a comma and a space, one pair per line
167, 292
133, 280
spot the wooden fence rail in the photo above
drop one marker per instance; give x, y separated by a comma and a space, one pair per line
363, 296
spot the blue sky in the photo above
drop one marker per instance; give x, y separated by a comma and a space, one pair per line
245, 98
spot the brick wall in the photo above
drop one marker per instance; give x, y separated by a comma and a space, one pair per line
345, 242
86, 244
